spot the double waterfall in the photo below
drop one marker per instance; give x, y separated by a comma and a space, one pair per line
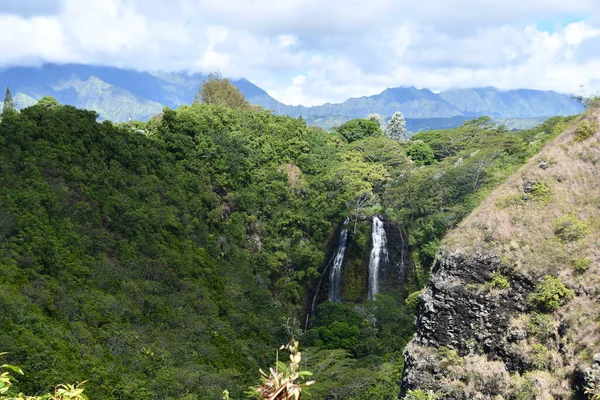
335, 277
378, 259
378, 254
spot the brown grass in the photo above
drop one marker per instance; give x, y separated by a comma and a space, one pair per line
523, 233
523, 236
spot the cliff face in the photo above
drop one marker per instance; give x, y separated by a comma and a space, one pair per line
399, 269
512, 308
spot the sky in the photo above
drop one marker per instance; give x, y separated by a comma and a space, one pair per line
315, 51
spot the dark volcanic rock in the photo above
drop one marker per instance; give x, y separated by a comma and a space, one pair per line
458, 312
399, 268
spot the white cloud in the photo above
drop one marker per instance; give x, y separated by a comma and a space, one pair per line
313, 51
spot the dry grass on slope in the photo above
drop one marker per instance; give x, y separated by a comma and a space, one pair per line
519, 220
545, 220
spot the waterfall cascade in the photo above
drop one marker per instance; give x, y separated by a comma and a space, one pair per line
335, 276
379, 254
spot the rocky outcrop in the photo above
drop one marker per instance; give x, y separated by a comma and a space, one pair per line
461, 310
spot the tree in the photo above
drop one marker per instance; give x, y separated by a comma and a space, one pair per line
48, 102
9, 104
420, 153
358, 129
219, 90
375, 117
396, 128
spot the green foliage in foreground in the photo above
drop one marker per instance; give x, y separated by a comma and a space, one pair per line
61, 392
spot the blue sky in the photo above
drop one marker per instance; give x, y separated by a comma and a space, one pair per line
315, 51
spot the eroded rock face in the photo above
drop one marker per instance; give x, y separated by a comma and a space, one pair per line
461, 310
399, 269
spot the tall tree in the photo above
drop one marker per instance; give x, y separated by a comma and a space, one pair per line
396, 128
219, 90
9, 104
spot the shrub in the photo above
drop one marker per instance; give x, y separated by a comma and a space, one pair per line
510, 201
569, 228
526, 390
449, 357
585, 130
539, 325
540, 356
581, 264
413, 299
550, 293
541, 191
498, 281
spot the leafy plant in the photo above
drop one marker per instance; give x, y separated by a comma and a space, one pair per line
541, 191
540, 356
539, 325
592, 387
498, 281
449, 357
281, 382
61, 392
510, 201
585, 130
569, 228
413, 299
550, 293
581, 264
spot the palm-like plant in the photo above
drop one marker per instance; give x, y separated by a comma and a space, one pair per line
282, 381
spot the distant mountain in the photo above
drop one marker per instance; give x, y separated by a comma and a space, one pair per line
113, 92
423, 103
520, 103
414, 103
118, 93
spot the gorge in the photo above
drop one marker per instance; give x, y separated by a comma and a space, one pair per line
172, 259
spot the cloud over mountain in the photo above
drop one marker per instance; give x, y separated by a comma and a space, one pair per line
312, 51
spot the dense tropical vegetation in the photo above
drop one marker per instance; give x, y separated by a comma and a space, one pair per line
170, 259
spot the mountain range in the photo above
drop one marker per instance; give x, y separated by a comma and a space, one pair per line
118, 94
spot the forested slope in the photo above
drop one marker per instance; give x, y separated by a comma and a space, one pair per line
126, 259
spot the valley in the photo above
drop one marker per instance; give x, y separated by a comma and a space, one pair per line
171, 258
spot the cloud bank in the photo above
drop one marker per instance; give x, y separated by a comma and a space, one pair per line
310, 52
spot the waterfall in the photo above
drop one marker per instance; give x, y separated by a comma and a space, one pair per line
335, 276
378, 253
